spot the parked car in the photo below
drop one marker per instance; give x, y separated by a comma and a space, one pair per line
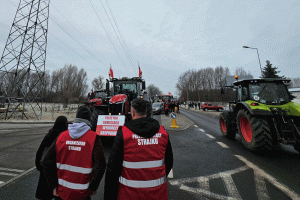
209, 106
157, 108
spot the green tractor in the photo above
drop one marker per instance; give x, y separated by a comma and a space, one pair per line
263, 114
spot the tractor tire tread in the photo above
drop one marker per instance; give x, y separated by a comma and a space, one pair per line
261, 133
230, 129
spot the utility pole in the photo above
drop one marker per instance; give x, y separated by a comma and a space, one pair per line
22, 64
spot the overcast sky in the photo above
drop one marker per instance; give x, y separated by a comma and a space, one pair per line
168, 37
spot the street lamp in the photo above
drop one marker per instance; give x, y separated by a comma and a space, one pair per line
257, 56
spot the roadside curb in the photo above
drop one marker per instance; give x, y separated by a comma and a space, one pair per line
183, 123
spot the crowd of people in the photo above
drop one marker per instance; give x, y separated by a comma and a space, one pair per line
170, 107
72, 163
194, 105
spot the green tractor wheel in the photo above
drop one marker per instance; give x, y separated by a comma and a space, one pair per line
255, 132
227, 128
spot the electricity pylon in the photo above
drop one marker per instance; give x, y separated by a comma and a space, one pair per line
22, 64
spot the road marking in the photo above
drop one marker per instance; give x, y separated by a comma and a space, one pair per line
8, 174
195, 125
210, 136
223, 145
269, 178
203, 182
170, 174
260, 177
261, 188
11, 170
230, 186
202, 130
16, 177
1, 182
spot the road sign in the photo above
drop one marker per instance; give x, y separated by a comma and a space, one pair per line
173, 115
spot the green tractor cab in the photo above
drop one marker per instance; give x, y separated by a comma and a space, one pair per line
263, 114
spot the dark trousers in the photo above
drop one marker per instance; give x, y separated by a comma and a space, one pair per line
167, 112
58, 198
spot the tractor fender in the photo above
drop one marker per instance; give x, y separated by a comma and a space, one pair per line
243, 105
256, 112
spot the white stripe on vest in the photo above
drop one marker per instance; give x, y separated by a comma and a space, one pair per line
142, 184
71, 168
146, 164
74, 186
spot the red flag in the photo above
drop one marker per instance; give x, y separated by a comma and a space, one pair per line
140, 72
111, 73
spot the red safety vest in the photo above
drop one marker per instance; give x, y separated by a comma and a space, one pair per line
166, 106
74, 165
144, 173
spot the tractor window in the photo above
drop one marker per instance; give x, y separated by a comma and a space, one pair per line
100, 94
269, 93
244, 94
125, 87
239, 94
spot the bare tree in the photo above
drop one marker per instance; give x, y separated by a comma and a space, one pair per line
295, 82
69, 84
98, 83
241, 72
153, 90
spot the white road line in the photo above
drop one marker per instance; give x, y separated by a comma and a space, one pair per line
204, 183
210, 136
8, 174
261, 188
271, 179
18, 176
170, 174
230, 186
202, 130
195, 125
11, 170
1, 182
223, 145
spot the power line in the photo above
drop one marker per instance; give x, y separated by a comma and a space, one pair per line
52, 18
108, 5
108, 35
75, 52
126, 52
77, 42
74, 28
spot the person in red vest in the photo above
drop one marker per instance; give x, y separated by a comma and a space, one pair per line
74, 164
166, 106
140, 160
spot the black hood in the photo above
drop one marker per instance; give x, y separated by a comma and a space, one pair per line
144, 127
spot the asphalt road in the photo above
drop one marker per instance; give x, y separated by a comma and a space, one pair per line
206, 165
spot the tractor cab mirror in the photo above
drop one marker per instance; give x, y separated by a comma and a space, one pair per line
143, 85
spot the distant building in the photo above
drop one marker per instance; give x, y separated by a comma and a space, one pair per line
295, 92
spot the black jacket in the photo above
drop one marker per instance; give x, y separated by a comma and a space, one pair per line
43, 190
144, 127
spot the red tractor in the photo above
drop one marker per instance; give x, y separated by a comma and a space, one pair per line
120, 93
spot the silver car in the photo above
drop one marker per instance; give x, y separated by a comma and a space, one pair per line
157, 108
